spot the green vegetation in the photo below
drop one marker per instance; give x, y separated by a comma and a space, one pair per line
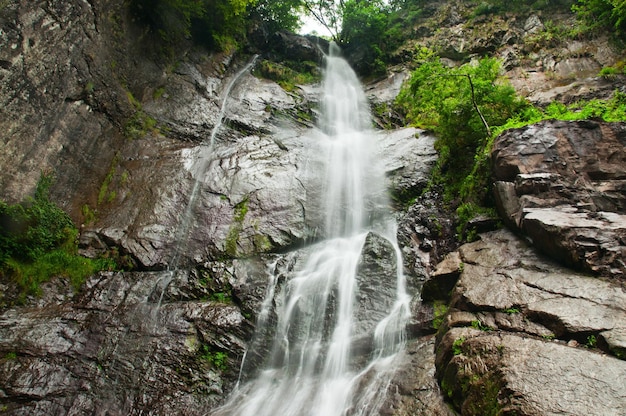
276, 15
216, 359
488, 7
457, 346
592, 341
461, 106
217, 24
476, 324
140, 123
467, 107
440, 310
38, 241
369, 28
241, 209
600, 15
221, 297
288, 74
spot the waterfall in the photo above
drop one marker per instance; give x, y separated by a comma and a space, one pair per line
313, 367
199, 167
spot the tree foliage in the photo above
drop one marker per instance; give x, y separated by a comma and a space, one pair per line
218, 23
600, 14
277, 15
459, 104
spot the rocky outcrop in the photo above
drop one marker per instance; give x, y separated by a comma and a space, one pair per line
127, 342
542, 62
58, 111
562, 184
524, 335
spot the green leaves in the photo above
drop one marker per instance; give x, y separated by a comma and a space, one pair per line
599, 14
38, 240
217, 23
33, 227
460, 104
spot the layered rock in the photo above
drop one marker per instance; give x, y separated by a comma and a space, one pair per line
123, 344
563, 185
527, 336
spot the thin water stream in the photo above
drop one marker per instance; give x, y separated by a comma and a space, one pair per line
313, 368
199, 168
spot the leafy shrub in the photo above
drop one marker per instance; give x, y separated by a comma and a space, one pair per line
35, 226
602, 14
460, 105
38, 240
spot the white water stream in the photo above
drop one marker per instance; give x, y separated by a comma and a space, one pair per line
201, 162
312, 368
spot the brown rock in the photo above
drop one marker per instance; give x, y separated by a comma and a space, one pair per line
562, 184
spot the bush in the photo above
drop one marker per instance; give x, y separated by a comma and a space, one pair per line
453, 102
38, 241
35, 226
602, 14
460, 105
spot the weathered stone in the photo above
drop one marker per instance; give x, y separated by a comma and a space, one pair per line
125, 341
505, 287
377, 278
490, 373
407, 156
413, 389
441, 282
616, 341
567, 178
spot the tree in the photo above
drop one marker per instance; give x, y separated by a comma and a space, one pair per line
277, 15
598, 14
328, 13
217, 23
460, 105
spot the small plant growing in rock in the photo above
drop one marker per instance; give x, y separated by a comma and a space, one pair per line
592, 341
440, 310
217, 359
457, 346
480, 326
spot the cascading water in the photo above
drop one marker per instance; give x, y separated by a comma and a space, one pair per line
312, 367
146, 314
199, 168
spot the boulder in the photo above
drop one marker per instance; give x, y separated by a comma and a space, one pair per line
377, 281
562, 184
502, 373
518, 322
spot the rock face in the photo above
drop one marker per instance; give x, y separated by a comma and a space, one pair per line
202, 174
541, 67
56, 108
128, 341
563, 184
526, 336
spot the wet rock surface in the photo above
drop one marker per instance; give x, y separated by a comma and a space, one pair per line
122, 346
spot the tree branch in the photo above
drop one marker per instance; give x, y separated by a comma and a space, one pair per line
474, 103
